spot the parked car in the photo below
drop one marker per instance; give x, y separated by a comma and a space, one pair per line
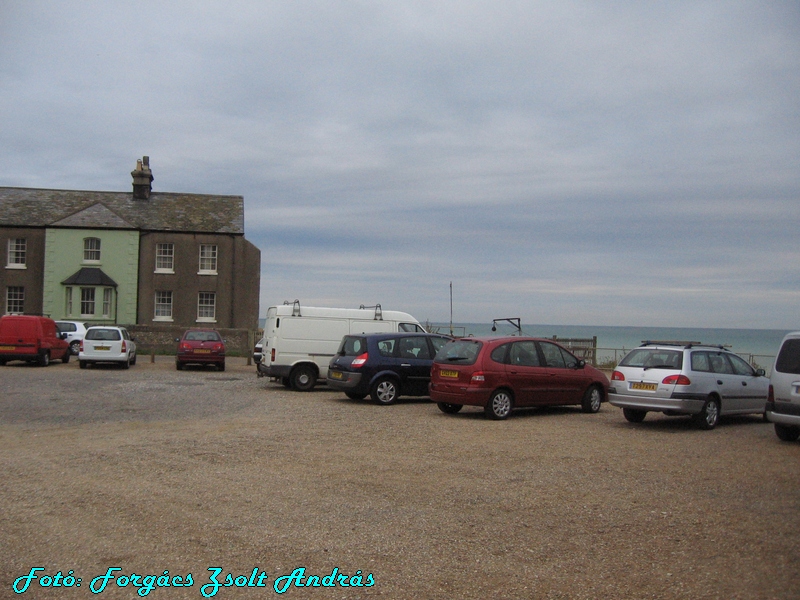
200, 347
783, 403
384, 365
687, 378
75, 331
500, 374
257, 353
33, 339
107, 344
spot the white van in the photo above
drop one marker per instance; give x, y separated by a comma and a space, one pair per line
299, 342
783, 404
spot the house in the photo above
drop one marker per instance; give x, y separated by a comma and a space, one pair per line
137, 258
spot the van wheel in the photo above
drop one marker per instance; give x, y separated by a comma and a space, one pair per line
303, 379
44, 359
787, 433
592, 399
384, 391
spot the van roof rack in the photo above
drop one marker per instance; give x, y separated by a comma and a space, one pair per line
378, 311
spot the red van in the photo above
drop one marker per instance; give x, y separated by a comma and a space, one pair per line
32, 339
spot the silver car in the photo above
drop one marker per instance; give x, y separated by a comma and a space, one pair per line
107, 343
783, 407
687, 378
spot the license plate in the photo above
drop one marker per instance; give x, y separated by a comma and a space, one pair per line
201, 351
640, 385
447, 373
336, 375
7, 348
102, 347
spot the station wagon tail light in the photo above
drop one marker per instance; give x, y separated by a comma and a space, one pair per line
124, 347
272, 355
617, 376
359, 361
81, 347
478, 377
771, 395
676, 380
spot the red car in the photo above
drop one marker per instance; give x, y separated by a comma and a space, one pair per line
200, 347
500, 374
33, 339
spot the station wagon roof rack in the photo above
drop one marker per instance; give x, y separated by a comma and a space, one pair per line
683, 344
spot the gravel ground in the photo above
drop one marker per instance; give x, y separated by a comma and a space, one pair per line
152, 470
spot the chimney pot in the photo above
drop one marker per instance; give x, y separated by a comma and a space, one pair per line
142, 179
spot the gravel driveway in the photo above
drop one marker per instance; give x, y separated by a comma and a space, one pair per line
152, 470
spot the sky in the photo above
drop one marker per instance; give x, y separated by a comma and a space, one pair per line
577, 163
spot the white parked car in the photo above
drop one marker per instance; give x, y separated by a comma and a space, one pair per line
783, 407
107, 343
75, 331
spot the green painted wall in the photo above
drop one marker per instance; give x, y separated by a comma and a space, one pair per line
119, 259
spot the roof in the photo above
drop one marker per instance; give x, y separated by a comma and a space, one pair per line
191, 213
90, 276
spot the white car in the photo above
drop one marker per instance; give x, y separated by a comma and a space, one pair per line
75, 331
107, 343
783, 407
687, 378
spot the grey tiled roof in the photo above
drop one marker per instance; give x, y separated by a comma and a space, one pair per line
194, 213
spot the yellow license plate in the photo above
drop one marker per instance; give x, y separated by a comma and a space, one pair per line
640, 385
201, 351
446, 373
7, 348
102, 347
336, 375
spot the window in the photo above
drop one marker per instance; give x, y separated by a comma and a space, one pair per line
15, 300
87, 301
206, 307
107, 302
524, 354
414, 347
208, 259
165, 258
68, 301
16, 253
163, 306
91, 250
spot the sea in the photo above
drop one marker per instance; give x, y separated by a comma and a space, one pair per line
759, 346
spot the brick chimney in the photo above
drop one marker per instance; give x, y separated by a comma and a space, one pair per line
142, 179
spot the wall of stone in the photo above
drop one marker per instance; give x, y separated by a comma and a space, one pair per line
160, 338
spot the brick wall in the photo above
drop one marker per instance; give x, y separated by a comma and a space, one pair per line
160, 339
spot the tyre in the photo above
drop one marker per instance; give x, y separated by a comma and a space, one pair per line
44, 359
286, 382
787, 433
75, 348
133, 360
126, 364
354, 396
634, 415
220, 366
178, 366
65, 358
448, 408
303, 378
82, 364
500, 405
385, 391
708, 417
592, 399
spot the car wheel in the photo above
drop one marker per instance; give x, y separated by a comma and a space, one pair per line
44, 359
221, 366
709, 416
75, 348
303, 379
385, 391
354, 396
133, 360
82, 364
65, 358
592, 400
178, 366
787, 433
500, 405
448, 408
634, 415
126, 364
2, 362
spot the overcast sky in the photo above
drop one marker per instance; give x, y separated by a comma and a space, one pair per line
579, 163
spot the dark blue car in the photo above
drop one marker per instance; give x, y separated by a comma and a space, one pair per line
384, 366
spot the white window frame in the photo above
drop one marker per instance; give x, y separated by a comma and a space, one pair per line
208, 259
68, 301
107, 296
86, 302
15, 300
17, 253
163, 305
165, 257
207, 307
91, 249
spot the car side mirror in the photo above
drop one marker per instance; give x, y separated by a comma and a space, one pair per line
133, 339
63, 336
760, 372
177, 339
581, 364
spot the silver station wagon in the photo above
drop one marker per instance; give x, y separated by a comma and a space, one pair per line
687, 378
107, 344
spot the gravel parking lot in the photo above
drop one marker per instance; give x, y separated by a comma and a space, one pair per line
151, 470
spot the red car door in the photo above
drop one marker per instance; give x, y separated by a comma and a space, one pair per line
566, 383
527, 377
